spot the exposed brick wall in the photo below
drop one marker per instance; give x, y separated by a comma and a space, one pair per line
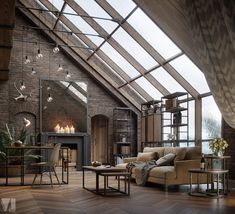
99, 101
228, 134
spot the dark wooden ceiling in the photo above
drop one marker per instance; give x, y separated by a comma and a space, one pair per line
7, 20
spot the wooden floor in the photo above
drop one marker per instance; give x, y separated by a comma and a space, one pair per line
72, 198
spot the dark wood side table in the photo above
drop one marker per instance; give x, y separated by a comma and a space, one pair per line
209, 173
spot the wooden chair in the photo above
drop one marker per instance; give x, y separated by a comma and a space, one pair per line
49, 166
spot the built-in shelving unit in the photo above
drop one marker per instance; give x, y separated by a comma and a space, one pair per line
122, 133
151, 123
174, 121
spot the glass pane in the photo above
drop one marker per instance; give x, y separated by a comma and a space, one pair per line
162, 76
119, 60
149, 88
93, 9
191, 73
82, 25
134, 49
113, 71
57, 3
211, 118
153, 34
62, 27
191, 112
122, 7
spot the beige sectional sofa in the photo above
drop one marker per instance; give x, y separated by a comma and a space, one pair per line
174, 174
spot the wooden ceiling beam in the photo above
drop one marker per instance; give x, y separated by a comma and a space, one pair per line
92, 66
7, 22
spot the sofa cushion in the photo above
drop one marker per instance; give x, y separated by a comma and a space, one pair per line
158, 150
147, 156
180, 152
164, 172
166, 160
193, 153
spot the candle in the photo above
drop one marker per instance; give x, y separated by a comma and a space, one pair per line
61, 130
67, 130
57, 128
72, 129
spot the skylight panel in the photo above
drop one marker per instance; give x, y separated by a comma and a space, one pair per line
134, 49
111, 69
119, 60
82, 25
162, 76
149, 88
62, 27
82, 85
191, 73
78, 94
93, 9
57, 3
74, 91
153, 34
122, 7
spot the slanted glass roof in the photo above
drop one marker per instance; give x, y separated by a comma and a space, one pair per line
147, 64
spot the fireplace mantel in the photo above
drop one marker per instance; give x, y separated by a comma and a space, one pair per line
80, 139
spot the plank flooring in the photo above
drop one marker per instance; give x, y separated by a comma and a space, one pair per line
72, 198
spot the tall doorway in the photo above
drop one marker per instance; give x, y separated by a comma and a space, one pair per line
99, 138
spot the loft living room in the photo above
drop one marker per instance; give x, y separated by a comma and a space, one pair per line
115, 83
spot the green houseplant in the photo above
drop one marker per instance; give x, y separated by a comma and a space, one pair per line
8, 137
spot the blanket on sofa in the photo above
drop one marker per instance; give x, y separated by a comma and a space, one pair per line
142, 170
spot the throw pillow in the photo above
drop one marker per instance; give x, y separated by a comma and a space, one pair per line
166, 160
180, 152
146, 156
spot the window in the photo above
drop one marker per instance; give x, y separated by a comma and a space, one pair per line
93, 9
162, 76
211, 122
191, 73
122, 7
119, 60
83, 26
134, 49
153, 34
149, 88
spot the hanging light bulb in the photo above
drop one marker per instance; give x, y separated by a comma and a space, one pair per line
22, 86
49, 98
33, 72
48, 88
60, 68
27, 60
67, 75
39, 55
56, 49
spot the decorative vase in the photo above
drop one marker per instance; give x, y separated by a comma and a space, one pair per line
219, 153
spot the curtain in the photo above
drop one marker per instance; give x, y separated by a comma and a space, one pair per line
212, 24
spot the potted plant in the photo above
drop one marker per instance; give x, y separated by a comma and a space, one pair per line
8, 137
